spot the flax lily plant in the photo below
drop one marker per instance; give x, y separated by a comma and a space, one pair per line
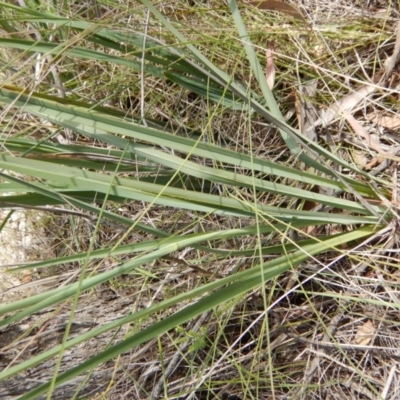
137, 159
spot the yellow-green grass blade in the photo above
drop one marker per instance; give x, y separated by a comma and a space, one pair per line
236, 179
152, 244
290, 134
246, 280
80, 200
297, 143
167, 246
125, 42
97, 125
259, 75
83, 53
68, 178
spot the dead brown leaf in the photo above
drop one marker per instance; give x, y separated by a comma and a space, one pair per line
346, 103
365, 334
371, 142
389, 122
361, 131
374, 163
277, 5
360, 158
270, 68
